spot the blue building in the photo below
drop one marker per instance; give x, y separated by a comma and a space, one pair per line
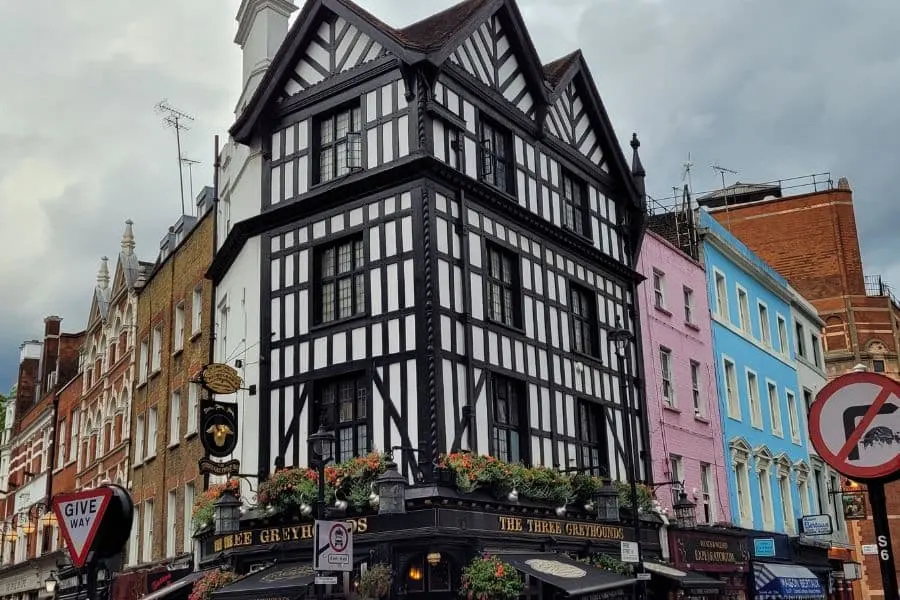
760, 405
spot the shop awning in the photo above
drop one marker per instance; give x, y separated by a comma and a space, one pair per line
286, 581
170, 591
791, 582
698, 583
572, 577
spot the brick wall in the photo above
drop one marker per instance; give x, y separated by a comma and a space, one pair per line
175, 462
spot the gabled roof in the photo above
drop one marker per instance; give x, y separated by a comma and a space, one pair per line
554, 71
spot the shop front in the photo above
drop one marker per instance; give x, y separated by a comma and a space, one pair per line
784, 569
28, 580
718, 555
427, 547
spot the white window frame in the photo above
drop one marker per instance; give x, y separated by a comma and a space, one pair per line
815, 343
175, 418
74, 436
222, 330
765, 324
676, 474
156, 339
688, 295
743, 299
720, 284
764, 482
178, 329
63, 438
139, 437
193, 408
732, 389
171, 533
787, 500
696, 389
152, 431
774, 408
666, 376
147, 533
134, 545
144, 360
753, 400
196, 310
793, 416
800, 341
659, 289
784, 340
742, 491
190, 492
706, 496
803, 493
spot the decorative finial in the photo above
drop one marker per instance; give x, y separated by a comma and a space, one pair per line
637, 168
635, 142
128, 238
103, 273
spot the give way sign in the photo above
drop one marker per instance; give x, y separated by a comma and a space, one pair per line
79, 515
854, 425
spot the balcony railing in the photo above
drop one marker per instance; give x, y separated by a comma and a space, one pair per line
876, 287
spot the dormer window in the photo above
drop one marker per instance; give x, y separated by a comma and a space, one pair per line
339, 143
495, 156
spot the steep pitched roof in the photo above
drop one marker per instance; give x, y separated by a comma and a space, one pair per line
554, 71
435, 31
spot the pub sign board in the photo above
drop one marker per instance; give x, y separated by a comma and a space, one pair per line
218, 427
709, 552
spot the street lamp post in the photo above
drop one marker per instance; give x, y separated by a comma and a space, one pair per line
321, 448
622, 339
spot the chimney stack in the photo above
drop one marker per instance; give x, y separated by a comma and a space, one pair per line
29, 377
50, 358
262, 27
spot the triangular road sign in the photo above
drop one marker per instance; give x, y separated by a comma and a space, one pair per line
79, 515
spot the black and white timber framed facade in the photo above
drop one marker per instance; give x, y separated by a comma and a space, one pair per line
444, 232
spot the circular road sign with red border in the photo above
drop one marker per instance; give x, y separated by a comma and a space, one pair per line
854, 425
338, 537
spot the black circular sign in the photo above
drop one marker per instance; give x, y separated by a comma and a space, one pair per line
219, 429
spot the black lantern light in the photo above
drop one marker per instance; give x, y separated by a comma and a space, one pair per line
50, 583
227, 513
391, 491
321, 444
685, 516
607, 500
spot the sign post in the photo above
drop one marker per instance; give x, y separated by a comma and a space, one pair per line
854, 425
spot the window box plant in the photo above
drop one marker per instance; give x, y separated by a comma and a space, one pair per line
375, 582
489, 578
204, 506
204, 587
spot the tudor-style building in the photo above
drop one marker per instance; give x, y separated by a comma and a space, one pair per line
425, 239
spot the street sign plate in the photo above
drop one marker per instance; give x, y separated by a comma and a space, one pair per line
854, 425
869, 549
325, 580
630, 552
333, 543
644, 576
816, 525
79, 516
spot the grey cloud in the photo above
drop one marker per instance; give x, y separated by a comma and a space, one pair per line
770, 88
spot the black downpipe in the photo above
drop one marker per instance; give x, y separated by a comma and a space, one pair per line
215, 243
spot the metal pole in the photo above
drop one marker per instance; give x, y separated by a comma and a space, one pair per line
883, 541
630, 464
180, 172
320, 515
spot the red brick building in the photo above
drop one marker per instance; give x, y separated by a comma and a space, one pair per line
100, 421
30, 536
811, 239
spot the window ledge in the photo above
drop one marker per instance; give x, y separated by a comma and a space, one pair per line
757, 426
148, 459
173, 445
190, 434
662, 309
671, 408
692, 325
140, 384
701, 419
586, 356
795, 440
517, 329
177, 351
338, 322
195, 334
154, 373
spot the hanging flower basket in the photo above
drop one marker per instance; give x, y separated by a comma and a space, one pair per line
204, 506
543, 484
489, 578
375, 582
289, 489
473, 472
203, 588
644, 497
352, 480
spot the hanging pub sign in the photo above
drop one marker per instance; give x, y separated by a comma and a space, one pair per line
854, 505
229, 467
220, 378
218, 427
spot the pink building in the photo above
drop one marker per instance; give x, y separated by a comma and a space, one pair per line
682, 398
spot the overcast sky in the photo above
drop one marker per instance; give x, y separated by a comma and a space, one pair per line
769, 88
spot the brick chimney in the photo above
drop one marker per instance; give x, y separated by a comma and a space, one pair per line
50, 357
28, 383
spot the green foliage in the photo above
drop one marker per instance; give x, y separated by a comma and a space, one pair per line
610, 563
544, 484
489, 578
375, 582
644, 497
289, 488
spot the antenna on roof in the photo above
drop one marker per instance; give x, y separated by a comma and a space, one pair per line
686, 172
190, 167
722, 170
176, 120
